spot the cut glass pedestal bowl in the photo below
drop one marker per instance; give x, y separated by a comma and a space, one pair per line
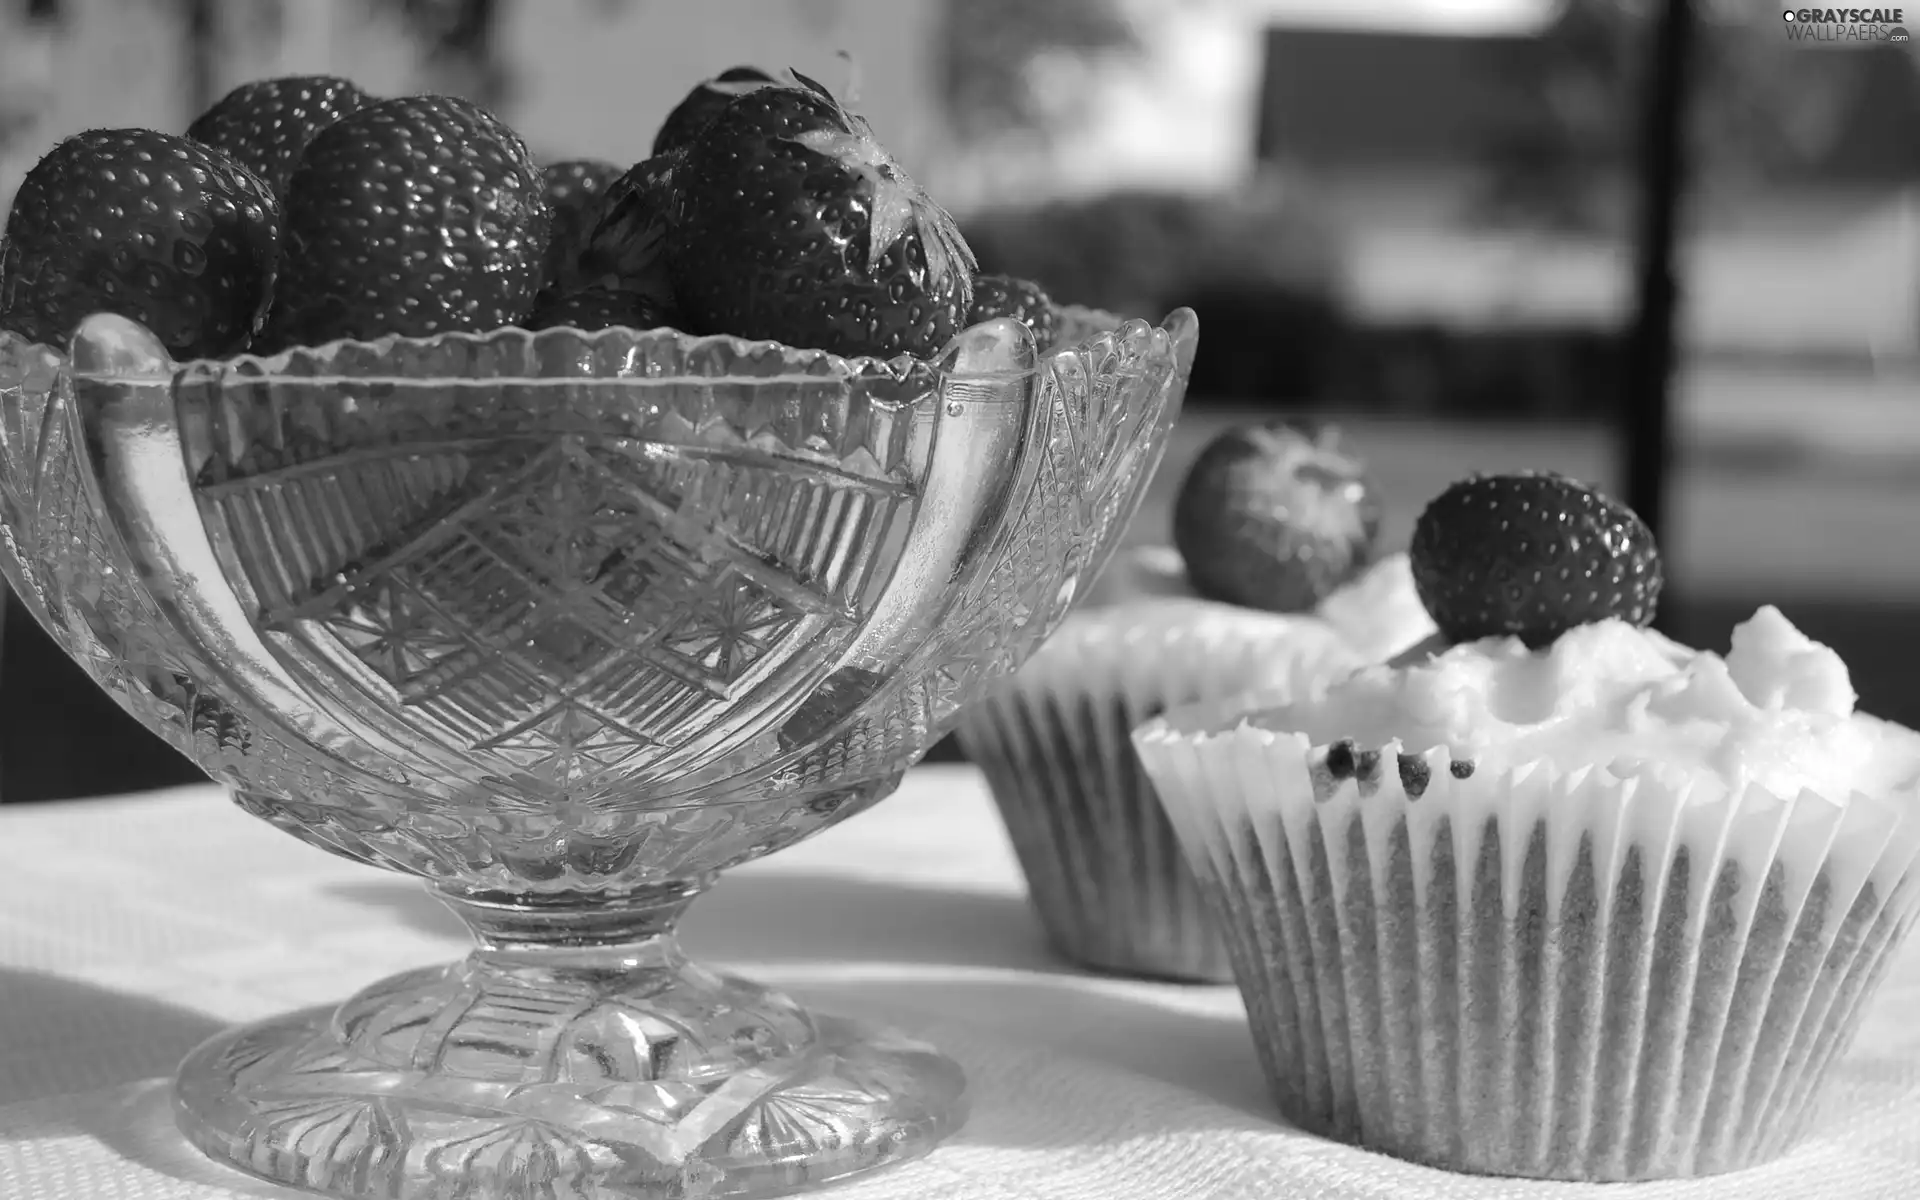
565, 624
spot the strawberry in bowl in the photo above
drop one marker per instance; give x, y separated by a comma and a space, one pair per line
415, 216
267, 124
179, 236
792, 223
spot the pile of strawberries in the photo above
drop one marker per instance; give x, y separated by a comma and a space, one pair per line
300, 211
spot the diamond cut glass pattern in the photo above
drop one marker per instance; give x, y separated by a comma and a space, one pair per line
565, 624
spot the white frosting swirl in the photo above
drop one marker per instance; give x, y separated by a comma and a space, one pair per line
1378, 614
1777, 711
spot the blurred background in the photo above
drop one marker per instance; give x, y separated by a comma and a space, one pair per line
1425, 219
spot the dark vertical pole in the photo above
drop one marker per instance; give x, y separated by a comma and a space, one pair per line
1647, 431
200, 28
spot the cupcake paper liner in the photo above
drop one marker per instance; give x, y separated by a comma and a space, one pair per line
1532, 972
1106, 876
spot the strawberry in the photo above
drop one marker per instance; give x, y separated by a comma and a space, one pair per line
599, 308
577, 185
268, 124
625, 247
173, 234
1275, 517
1022, 299
1531, 556
791, 223
575, 190
705, 102
413, 217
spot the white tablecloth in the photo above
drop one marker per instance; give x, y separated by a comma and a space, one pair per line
132, 928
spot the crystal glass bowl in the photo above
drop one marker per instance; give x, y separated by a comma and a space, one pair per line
564, 624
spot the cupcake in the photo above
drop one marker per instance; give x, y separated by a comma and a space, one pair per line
1294, 518
1554, 896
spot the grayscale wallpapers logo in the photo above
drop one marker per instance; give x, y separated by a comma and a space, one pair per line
1842, 27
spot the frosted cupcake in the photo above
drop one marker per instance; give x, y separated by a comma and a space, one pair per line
1297, 518
1565, 899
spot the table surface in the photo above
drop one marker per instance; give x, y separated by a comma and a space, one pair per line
133, 927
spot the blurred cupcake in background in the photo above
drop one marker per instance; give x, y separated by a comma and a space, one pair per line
1272, 584
1561, 897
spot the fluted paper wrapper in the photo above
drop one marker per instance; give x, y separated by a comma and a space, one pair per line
1533, 972
1104, 871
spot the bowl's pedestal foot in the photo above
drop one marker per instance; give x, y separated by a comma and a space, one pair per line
265, 1099
570, 1073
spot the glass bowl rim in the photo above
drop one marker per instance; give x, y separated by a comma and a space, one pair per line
818, 366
